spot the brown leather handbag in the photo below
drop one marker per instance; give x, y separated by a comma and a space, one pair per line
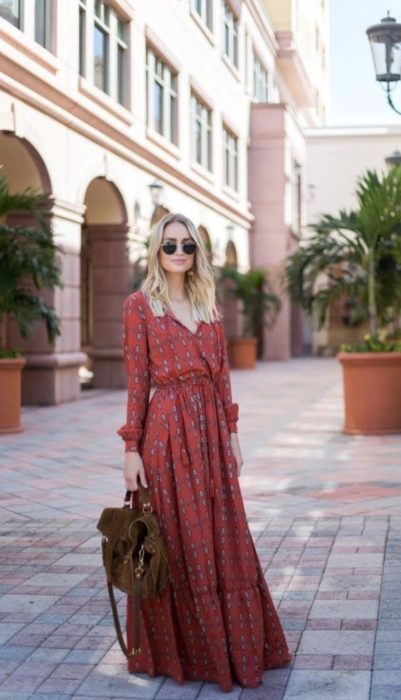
134, 557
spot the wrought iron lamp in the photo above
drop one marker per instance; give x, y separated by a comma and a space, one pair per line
385, 43
393, 160
156, 189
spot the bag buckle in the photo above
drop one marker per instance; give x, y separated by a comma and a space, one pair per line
140, 568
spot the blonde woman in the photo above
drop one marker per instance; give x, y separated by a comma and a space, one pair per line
216, 621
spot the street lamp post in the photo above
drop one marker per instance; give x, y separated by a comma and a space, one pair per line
385, 43
156, 189
230, 231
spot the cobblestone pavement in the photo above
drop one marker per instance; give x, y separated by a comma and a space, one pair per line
324, 509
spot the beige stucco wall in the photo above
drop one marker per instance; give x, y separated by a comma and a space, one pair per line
336, 157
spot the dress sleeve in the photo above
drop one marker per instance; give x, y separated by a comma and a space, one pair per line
224, 384
136, 357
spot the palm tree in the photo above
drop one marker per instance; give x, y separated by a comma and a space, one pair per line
260, 304
29, 263
355, 256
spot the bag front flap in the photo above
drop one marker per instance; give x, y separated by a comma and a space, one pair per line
114, 523
127, 524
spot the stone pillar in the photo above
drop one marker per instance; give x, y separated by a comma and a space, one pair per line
271, 132
51, 372
112, 280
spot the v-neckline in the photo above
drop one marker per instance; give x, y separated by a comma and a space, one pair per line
169, 312
172, 314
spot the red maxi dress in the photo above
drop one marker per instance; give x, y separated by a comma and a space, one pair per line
216, 622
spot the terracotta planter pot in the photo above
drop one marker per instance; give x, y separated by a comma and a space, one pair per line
10, 392
372, 392
242, 353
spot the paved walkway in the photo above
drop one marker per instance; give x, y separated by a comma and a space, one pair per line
324, 509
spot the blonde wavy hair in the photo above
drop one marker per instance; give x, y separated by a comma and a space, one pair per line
199, 280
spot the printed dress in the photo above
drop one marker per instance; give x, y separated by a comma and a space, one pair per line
216, 622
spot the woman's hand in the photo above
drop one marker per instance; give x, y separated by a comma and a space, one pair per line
133, 467
236, 451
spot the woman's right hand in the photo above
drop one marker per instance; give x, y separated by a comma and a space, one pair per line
133, 467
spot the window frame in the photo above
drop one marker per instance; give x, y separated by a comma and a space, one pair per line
20, 18
102, 24
258, 73
230, 28
230, 158
204, 119
168, 82
98, 16
205, 13
47, 24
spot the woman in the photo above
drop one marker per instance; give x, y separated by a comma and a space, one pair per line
216, 622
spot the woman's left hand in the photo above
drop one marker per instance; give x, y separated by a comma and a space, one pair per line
236, 451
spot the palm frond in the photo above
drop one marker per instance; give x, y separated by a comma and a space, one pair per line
29, 262
355, 255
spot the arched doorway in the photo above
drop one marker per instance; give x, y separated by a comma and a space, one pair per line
42, 380
204, 234
106, 280
158, 214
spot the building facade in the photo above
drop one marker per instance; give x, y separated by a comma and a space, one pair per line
103, 104
277, 155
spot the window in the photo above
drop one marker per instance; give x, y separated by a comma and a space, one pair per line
203, 8
230, 34
31, 16
259, 92
297, 211
42, 22
110, 49
82, 37
230, 160
162, 96
201, 133
122, 49
10, 10
101, 45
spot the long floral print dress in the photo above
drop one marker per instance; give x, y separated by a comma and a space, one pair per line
216, 621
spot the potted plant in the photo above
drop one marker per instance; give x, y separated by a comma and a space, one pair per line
28, 264
259, 307
357, 256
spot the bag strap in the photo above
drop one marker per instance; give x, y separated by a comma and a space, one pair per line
137, 617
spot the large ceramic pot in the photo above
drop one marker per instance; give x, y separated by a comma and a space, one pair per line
10, 393
372, 392
242, 352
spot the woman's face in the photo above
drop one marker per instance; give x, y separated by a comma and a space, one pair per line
179, 261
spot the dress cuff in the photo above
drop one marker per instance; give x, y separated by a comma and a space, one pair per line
232, 417
131, 437
131, 446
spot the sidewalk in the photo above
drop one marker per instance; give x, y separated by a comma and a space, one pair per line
324, 509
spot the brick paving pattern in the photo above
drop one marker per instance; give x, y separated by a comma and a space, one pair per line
323, 507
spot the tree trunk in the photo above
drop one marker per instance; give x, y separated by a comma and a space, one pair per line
372, 294
3, 331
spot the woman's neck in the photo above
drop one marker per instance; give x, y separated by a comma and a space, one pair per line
176, 287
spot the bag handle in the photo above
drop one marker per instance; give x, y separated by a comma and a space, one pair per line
143, 496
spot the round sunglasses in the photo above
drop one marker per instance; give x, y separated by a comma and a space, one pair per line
188, 248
